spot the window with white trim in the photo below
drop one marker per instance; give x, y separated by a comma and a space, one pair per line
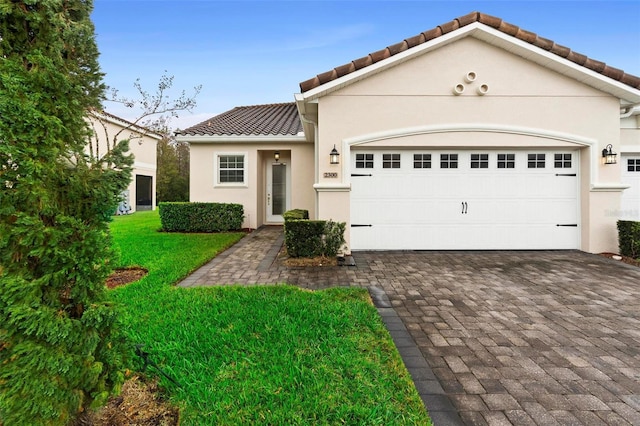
231, 169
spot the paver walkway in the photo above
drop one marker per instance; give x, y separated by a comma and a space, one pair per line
523, 338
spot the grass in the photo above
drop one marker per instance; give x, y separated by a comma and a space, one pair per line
263, 354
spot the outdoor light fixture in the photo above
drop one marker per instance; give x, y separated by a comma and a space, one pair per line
608, 155
276, 156
334, 155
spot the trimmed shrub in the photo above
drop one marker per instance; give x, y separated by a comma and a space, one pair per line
303, 238
311, 238
629, 238
333, 238
294, 214
200, 217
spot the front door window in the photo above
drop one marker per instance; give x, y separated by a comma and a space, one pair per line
279, 189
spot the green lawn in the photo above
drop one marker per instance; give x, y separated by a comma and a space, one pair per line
258, 355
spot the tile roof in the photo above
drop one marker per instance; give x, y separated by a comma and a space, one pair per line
269, 119
491, 21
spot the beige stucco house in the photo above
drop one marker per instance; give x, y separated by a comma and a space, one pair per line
476, 134
109, 129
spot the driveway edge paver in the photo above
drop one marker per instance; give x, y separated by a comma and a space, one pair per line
438, 404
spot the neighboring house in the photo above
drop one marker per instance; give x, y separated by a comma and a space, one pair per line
476, 134
141, 194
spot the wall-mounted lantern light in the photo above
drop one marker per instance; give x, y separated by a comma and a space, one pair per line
608, 155
334, 156
276, 156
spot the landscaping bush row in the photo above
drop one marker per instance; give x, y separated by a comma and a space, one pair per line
629, 238
200, 217
311, 238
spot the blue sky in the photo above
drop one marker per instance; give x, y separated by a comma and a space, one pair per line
255, 52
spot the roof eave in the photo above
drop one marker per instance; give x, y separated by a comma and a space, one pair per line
307, 117
240, 138
118, 121
627, 94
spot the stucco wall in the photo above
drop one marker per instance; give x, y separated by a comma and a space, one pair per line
521, 95
297, 155
143, 148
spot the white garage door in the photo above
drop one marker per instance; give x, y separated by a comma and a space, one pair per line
630, 207
464, 200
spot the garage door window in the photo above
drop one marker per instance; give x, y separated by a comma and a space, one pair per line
448, 161
633, 165
479, 161
421, 161
535, 161
562, 161
364, 161
506, 161
390, 161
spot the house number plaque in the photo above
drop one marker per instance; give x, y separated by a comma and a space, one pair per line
331, 175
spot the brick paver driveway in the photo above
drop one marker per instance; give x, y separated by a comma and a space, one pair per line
523, 338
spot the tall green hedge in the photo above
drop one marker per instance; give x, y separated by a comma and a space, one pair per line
629, 238
200, 217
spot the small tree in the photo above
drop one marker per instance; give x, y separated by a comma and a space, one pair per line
154, 111
59, 349
173, 176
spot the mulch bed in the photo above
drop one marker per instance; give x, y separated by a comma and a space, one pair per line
284, 259
139, 404
123, 276
625, 259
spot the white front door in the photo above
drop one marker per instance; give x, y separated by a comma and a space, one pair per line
277, 192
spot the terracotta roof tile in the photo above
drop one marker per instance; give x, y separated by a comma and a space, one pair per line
431, 34
491, 21
415, 40
450, 26
543, 43
269, 119
560, 50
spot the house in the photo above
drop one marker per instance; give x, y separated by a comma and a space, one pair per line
109, 129
476, 134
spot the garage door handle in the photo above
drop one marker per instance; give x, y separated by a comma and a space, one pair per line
359, 175
357, 225
465, 208
567, 224
566, 174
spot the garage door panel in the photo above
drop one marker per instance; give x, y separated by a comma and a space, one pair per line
630, 203
455, 237
466, 208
